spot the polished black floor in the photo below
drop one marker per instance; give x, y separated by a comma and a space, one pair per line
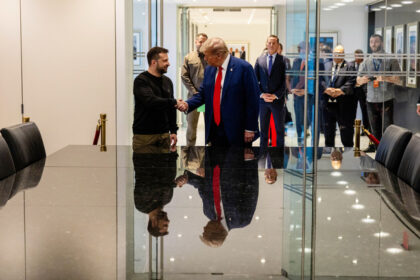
205, 213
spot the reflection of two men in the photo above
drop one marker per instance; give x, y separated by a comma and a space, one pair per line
155, 171
228, 188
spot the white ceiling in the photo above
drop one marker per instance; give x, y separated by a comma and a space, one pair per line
244, 16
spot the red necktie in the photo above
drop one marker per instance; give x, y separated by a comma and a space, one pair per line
216, 96
216, 191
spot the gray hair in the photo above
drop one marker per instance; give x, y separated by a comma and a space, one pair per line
214, 46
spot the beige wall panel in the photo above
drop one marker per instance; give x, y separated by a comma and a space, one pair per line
10, 79
69, 68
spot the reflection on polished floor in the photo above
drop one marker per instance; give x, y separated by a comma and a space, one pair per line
225, 214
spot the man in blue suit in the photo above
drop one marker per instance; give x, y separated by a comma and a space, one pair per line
270, 70
230, 92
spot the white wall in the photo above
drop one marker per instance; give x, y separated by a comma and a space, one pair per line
351, 22
10, 74
69, 76
255, 34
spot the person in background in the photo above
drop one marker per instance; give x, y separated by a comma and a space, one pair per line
380, 88
340, 101
192, 75
360, 91
270, 70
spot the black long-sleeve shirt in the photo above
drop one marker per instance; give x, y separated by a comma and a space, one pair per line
154, 111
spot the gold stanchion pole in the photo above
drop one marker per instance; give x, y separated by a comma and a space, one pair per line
26, 119
103, 132
357, 125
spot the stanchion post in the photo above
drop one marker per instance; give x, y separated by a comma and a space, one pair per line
26, 119
103, 132
357, 125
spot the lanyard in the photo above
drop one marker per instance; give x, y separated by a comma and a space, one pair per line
376, 64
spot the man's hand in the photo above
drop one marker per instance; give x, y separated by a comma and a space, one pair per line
174, 139
268, 97
182, 105
249, 136
418, 110
298, 92
362, 80
181, 180
337, 92
329, 91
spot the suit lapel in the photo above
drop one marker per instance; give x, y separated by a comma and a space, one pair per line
229, 72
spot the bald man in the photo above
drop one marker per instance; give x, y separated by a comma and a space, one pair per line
339, 99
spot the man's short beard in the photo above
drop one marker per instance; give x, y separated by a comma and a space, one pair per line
378, 49
161, 70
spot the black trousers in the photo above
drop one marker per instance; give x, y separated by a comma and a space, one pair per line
360, 95
379, 112
343, 115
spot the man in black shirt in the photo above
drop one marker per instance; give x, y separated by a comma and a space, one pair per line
155, 106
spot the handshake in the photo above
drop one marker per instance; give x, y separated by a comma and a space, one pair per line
181, 105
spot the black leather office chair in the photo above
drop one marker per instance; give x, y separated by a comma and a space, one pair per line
7, 167
25, 144
409, 170
392, 146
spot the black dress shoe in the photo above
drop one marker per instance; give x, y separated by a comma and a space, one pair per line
370, 149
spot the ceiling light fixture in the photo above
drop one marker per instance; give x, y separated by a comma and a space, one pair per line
358, 206
396, 5
381, 234
406, 2
394, 250
349, 192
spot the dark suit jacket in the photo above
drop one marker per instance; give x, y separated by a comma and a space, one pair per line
276, 81
239, 106
343, 82
243, 55
238, 186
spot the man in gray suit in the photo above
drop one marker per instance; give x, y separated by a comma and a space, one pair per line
192, 76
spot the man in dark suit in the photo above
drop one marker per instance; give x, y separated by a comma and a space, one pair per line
243, 53
228, 189
230, 92
270, 70
340, 101
360, 90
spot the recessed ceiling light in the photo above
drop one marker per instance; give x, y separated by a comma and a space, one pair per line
329, 218
342, 182
354, 261
388, 8
394, 250
262, 260
418, 11
382, 7
336, 174
368, 220
327, 9
172, 259
406, 2
376, 9
340, 4
396, 5
340, 237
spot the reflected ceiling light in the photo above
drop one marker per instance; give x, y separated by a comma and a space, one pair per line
406, 2
251, 16
172, 259
340, 237
418, 11
394, 250
396, 5
257, 217
358, 206
388, 8
259, 236
299, 238
307, 250
179, 235
185, 217
356, 200
336, 174
342, 182
368, 220
354, 261
328, 218
327, 9
347, 1
340, 4
381, 234
190, 197
262, 260
319, 199
376, 9
382, 7
350, 192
